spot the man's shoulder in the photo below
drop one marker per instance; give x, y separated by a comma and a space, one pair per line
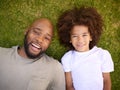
51, 62
50, 59
5, 49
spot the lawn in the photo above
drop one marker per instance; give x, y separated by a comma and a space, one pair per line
16, 15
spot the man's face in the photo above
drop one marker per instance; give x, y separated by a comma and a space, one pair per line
37, 39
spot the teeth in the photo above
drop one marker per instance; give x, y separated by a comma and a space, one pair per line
36, 46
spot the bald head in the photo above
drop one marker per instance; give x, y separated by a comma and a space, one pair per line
43, 21
38, 37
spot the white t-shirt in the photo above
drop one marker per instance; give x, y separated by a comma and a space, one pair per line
87, 67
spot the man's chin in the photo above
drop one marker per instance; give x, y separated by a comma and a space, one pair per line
34, 56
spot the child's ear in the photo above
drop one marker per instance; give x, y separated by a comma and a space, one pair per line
70, 41
91, 39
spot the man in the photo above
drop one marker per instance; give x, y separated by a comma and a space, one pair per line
28, 67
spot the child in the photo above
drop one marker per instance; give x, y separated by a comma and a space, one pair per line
86, 66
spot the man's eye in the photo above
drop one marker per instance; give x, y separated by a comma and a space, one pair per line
47, 38
36, 32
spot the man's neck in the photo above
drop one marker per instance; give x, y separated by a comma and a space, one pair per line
21, 52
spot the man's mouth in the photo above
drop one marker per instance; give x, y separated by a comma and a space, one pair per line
36, 47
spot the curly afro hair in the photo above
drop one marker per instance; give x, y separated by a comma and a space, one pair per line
87, 16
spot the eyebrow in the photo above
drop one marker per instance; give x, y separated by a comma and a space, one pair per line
41, 30
85, 33
80, 33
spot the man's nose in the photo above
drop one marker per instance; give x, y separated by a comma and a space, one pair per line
40, 39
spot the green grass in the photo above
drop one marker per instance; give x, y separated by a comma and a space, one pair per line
16, 15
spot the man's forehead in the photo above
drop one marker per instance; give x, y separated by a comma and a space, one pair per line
43, 23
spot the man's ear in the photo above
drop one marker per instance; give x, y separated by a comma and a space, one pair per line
26, 31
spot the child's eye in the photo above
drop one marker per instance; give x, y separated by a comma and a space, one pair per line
84, 35
74, 36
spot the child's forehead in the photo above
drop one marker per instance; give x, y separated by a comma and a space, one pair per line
81, 25
79, 29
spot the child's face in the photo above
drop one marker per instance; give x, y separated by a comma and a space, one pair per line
80, 38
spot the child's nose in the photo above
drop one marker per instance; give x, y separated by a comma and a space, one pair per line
79, 38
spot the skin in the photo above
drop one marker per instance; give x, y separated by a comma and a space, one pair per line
37, 39
69, 82
80, 39
107, 81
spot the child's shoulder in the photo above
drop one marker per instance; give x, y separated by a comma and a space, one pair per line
68, 54
101, 51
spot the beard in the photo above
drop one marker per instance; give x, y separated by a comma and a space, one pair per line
27, 51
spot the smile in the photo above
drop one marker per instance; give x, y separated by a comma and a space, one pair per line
36, 46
